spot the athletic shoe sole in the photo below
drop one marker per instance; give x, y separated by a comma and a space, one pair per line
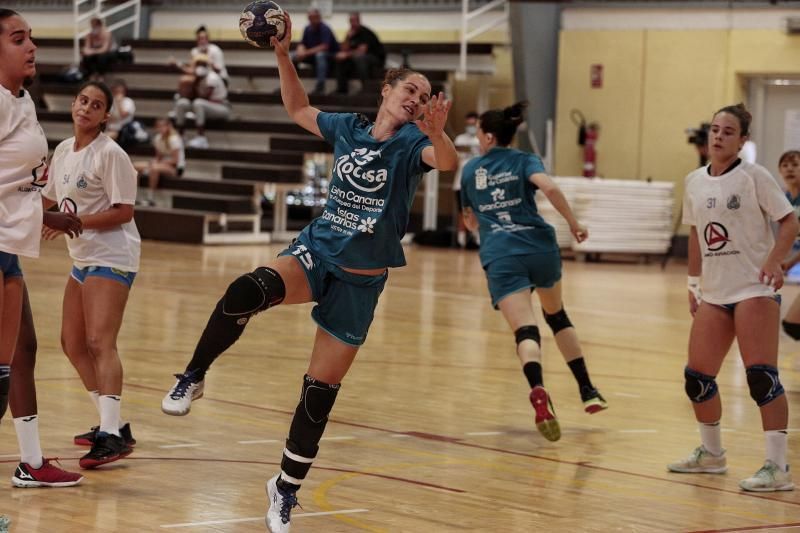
594, 406
546, 421
88, 464
700, 470
789, 486
26, 484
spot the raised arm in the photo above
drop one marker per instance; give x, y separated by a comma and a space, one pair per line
294, 96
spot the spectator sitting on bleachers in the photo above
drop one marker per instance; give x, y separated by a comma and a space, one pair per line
122, 126
208, 99
362, 53
206, 48
169, 160
317, 48
99, 50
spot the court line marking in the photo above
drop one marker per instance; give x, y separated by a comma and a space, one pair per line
193, 445
338, 438
751, 528
263, 441
259, 518
482, 433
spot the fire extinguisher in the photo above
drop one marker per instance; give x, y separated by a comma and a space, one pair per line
587, 137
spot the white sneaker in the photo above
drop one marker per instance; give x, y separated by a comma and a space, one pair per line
179, 399
199, 142
769, 478
701, 461
281, 503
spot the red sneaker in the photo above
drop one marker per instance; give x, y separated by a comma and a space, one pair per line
48, 475
546, 421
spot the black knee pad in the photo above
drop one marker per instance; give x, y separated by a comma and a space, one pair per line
699, 387
764, 383
253, 292
557, 321
792, 329
311, 416
528, 332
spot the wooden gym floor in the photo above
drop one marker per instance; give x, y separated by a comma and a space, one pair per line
432, 430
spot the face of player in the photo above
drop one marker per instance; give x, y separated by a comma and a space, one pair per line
725, 137
89, 109
17, 53
406, 99
790, 172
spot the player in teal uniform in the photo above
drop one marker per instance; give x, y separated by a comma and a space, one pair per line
340, 260
520, 254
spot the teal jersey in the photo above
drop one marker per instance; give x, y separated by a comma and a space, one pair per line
370, 193
496, 187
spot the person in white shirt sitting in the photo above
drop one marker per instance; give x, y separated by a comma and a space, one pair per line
210, 100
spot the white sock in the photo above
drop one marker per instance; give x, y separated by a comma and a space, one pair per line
461, 238
150, 194
109, 413
95, 396
776, 447
711, 437
30, 449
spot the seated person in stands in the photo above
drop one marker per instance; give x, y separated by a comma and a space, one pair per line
208, 98
169, 160
121, 126
206, 48
362, 54
99, 50
317, 48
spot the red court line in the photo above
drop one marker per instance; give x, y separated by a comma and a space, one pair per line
459, 442
751, 528
273, 463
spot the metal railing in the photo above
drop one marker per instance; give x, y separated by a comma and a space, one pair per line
467, 34
81, 17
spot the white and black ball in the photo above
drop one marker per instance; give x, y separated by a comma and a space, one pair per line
260, 21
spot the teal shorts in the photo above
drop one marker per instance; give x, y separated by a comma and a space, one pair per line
514, 273
80, 274
345, 301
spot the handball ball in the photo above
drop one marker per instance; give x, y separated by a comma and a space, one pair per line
261, 20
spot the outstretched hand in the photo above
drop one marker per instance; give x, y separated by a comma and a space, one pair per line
63, 223
283, 46
434, 116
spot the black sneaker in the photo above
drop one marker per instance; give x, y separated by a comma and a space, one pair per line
87, 439
593, 401
107, 448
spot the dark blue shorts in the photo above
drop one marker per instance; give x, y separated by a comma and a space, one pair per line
9, 265
80, 274
514, 273
731, 307
345, 301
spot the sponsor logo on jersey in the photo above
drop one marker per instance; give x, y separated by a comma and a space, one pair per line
734, 202
81, 183
68, 205
716, 236
481, 178
351, 168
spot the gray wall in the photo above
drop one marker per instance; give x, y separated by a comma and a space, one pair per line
534, 42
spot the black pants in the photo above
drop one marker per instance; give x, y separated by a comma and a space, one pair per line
364, 66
